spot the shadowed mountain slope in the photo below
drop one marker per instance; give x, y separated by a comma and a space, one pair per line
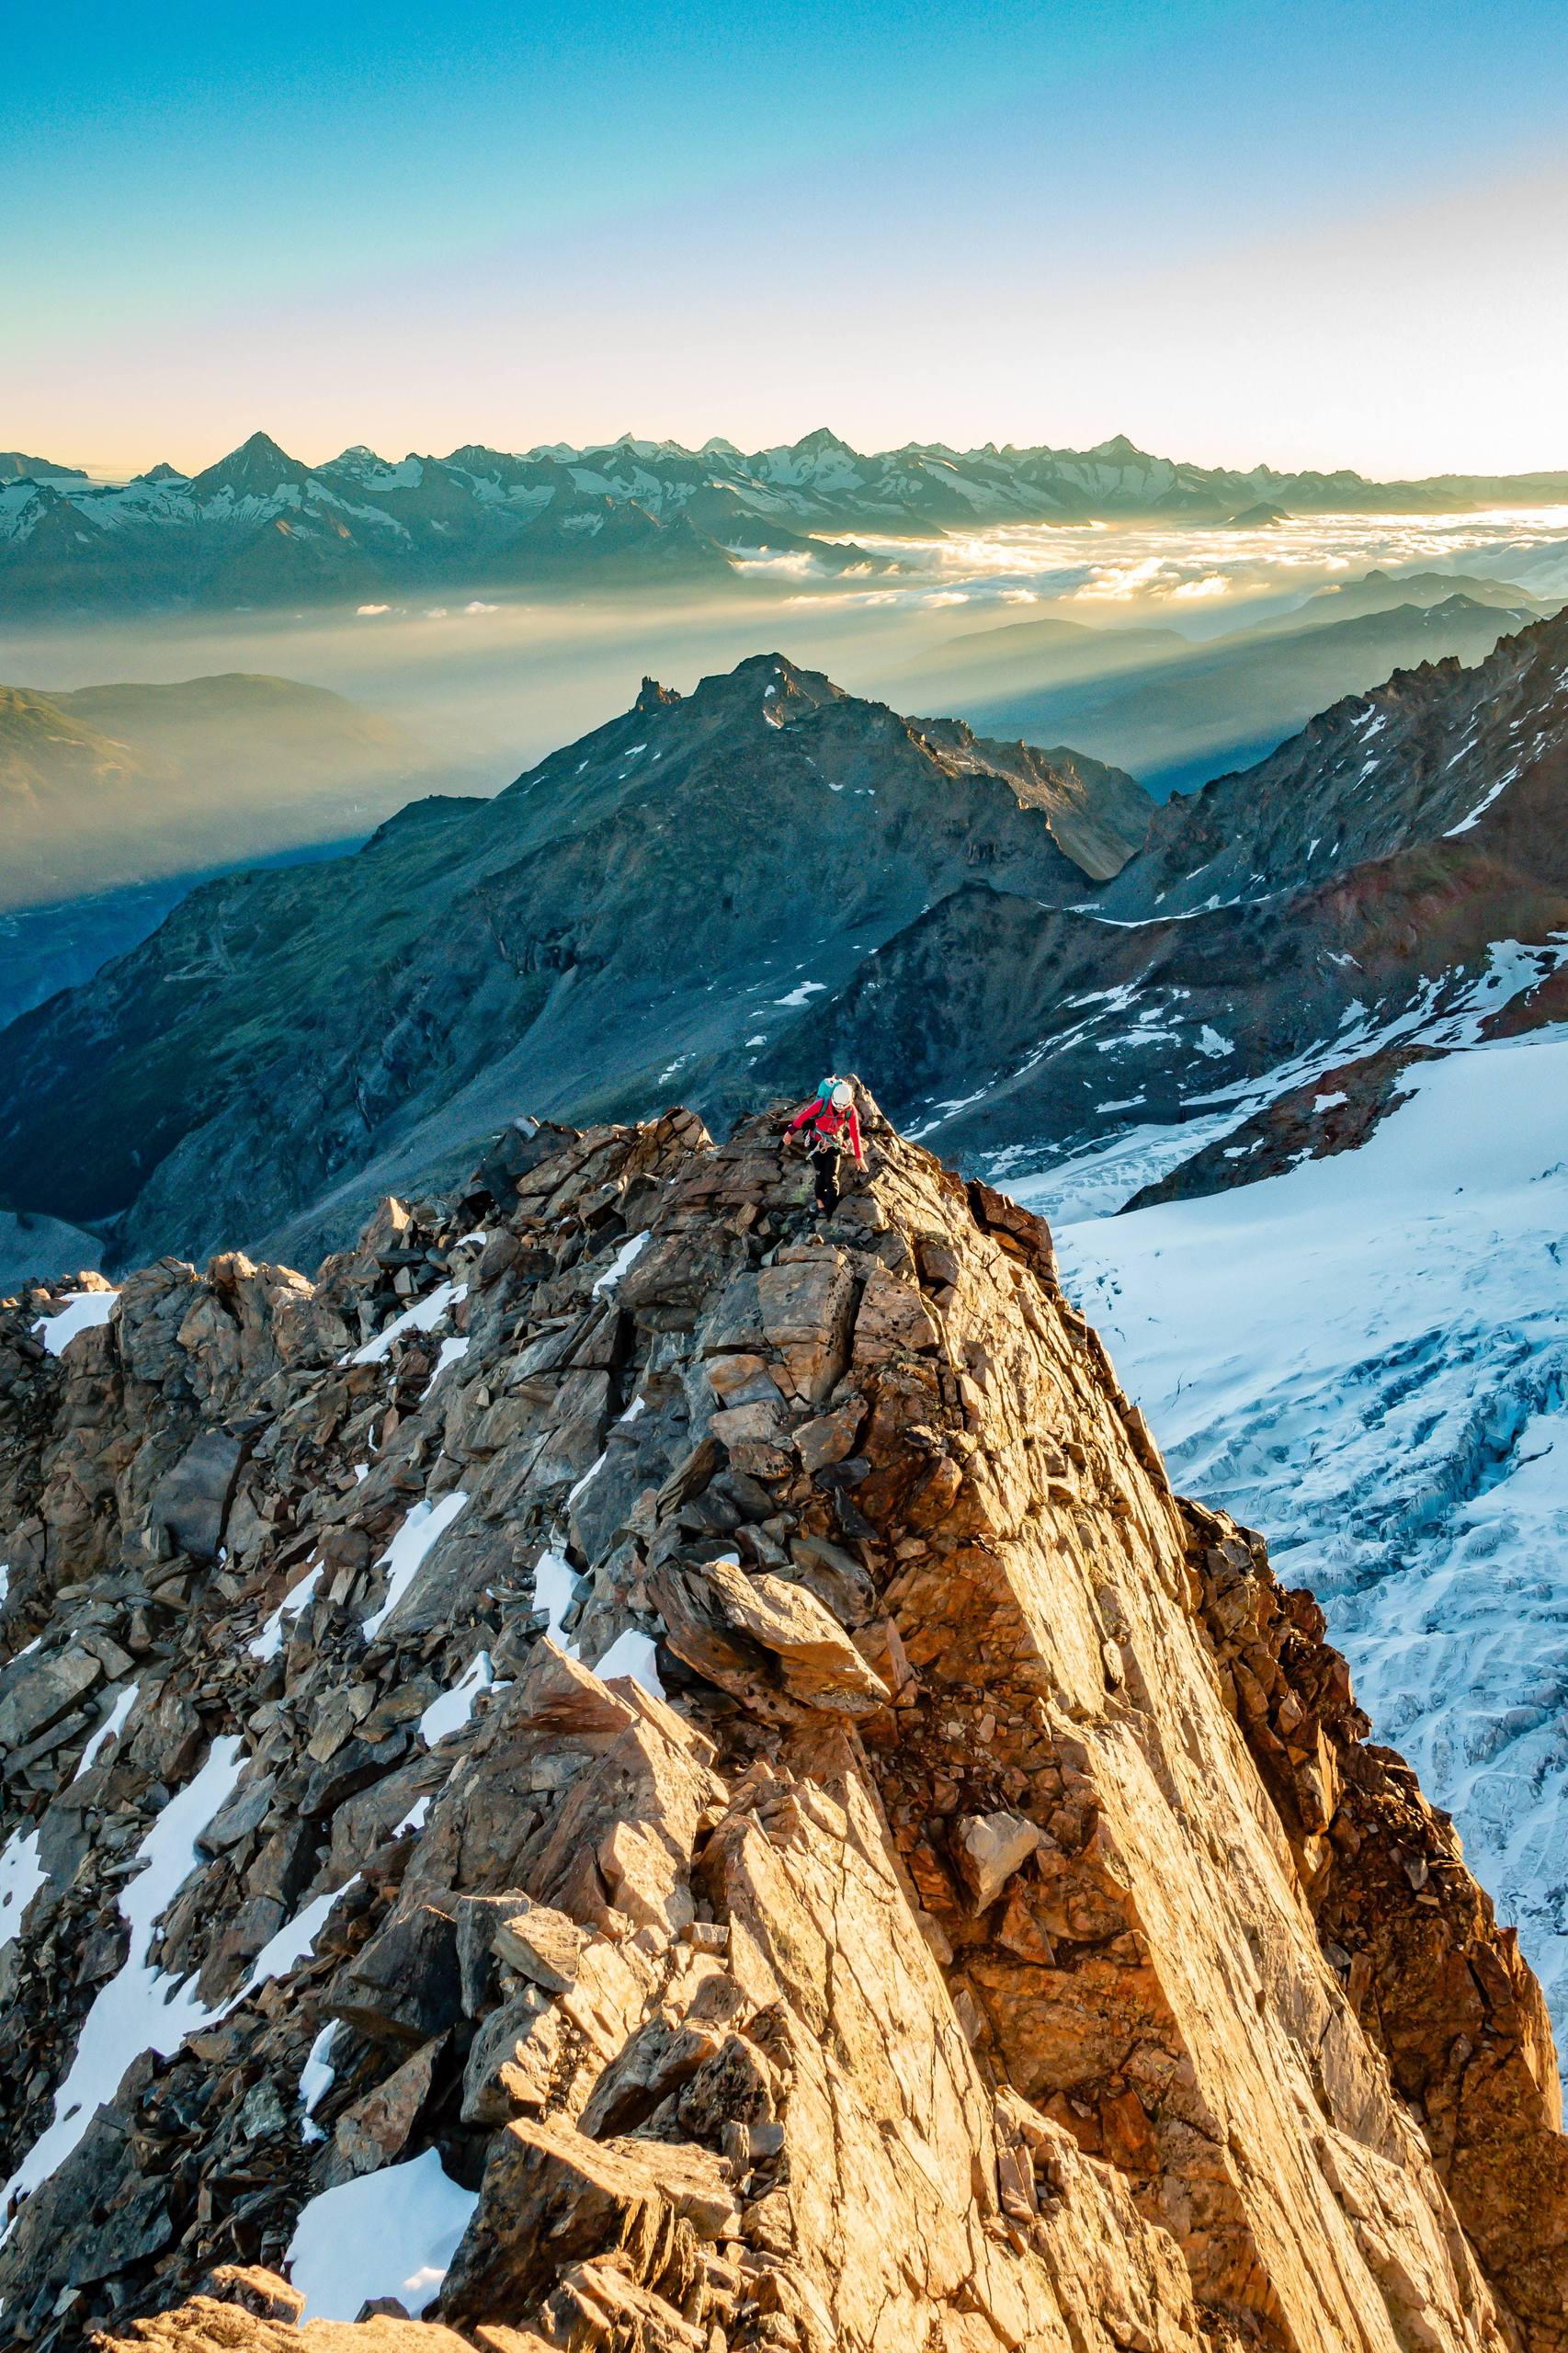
663, 893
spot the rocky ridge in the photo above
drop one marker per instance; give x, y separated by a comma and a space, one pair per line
656, 899
711, 1747
1390, 880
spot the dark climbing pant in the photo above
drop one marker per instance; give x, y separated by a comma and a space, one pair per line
824, 1167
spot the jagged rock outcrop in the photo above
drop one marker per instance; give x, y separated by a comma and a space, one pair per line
1390, 880
625, 1772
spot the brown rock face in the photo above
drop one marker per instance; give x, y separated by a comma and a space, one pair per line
996, 1934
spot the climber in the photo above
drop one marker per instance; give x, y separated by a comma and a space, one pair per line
830, 1117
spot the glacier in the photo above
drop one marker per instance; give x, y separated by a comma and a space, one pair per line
1365, 1358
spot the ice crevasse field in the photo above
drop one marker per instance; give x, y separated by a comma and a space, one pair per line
1365, 1358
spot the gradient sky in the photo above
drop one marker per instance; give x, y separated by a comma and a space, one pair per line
1323, 234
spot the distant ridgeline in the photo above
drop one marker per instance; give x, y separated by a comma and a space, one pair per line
261, 527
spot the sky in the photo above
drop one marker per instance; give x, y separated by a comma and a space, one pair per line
1321, 233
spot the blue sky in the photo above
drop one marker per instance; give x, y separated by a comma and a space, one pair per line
1330, 234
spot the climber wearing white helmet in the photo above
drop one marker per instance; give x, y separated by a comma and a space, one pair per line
830, 1118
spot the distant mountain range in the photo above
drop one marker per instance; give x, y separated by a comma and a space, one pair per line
713, 897
261, 527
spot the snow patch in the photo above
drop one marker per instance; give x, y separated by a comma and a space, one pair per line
110, 1729
633, 1654
405, 1556
140, 2008
1366, 1357
453, 1708
269, 1642
83, 1311
630, 1251
389, 2233
21, 1875
423, 1316
555, 1590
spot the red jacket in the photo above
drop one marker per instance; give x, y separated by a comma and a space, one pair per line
831, 1125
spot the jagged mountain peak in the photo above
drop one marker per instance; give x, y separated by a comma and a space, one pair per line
768, 678
673, 1752
360, 460
1120, 451
681, 881
256, 468
1430, 756
821, 442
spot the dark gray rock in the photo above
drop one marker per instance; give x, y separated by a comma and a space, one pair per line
191, 1502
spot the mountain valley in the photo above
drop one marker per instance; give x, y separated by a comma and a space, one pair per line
114, 799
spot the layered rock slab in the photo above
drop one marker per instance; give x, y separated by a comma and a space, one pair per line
974, 1942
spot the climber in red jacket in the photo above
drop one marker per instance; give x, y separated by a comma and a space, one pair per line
830, 1116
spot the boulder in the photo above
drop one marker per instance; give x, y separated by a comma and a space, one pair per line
551, 2198
405, 1985
191, 1502
991, 1848
372, 2131
542, 1943
35, 1693
892, 1318
762, 1639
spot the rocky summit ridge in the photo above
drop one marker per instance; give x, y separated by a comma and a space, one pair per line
650, 903
622, 1771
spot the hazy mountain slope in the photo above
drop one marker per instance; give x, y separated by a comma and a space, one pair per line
104, 786
50, 757
1225, 704
1385, 592
115, 801
990, 662
260, 526
16, 467
660, 896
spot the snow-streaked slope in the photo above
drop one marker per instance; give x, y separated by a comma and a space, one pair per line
1366, 1360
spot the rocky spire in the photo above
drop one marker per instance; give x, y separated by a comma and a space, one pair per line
621, 1769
